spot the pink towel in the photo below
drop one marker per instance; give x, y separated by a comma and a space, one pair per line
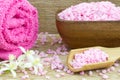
18, 26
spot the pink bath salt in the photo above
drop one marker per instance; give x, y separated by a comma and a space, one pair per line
101, 74
58, 70
56, 63
43, 37
47, 77
90, 73
62, 74
83, 79
105, 76
108, 70
42, 54
57, 75
82, 73
119, 71
116, 64
92, 55
112, 68
62, 50
104, 71
50, 51
93, 11
25, 77
56, 40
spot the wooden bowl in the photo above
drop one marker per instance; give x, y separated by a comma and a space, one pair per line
78, 34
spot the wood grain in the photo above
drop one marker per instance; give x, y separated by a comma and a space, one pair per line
48, 8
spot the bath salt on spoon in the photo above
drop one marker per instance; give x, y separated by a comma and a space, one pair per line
92, 58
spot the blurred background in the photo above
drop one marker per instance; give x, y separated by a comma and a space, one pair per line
48, 8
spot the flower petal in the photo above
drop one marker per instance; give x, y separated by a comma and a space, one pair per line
22, 49
13, 73
4, 69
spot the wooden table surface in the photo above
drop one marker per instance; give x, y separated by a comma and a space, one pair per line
113, 75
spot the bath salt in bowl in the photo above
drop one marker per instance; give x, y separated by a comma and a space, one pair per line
90, 24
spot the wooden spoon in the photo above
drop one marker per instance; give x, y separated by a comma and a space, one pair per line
114, 54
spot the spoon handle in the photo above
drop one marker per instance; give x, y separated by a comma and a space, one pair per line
114, 53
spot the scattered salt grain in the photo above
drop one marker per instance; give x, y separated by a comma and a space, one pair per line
112, 68
47, 77
68, 71
25, 72
31, 69
100, 74
43, 73
116, 64
90, 73
18, 71
65, 69
50, 51
108, 69
39, 74
62, 74
105, 76
58, 70
82, 73
43, 37
42, 54
25, 77
58, 75
97, 71
56, 63
119, 71
104, 71
83, 79
1, 73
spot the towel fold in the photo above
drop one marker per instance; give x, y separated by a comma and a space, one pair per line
18, 26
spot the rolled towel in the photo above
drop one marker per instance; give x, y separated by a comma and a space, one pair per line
18, 27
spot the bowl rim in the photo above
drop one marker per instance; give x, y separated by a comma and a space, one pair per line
62, 20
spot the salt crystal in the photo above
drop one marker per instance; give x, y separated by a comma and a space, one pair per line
68, 71
90, 73
83, 79
18, 71
100, 74
108, 70
47, 77
1, 72
116, 64
57, 75
119, 71
43, 54
93, 11
105, 76
65, 69
25, 77
97, 71
112, 68
87, 57
82, 73
62, 74
58, 70
104, 71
